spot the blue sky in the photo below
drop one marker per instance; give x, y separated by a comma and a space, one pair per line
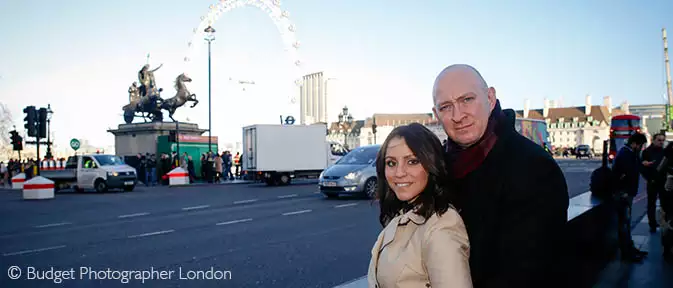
81, 56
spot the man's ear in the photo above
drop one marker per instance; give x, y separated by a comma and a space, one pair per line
491, 98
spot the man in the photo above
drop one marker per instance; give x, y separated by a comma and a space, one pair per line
626, 170
511, 193
652, 157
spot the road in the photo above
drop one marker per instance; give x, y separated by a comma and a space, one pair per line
577, 173
264, 236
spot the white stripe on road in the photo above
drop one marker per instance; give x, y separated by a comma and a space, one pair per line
234, 221
245, 201
134, 215
152, 233
34, 250
195, 207
287, 196
296, 212
317, 192
345, 205
53, 225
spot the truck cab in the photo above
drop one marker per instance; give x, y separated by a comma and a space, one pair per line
94, 171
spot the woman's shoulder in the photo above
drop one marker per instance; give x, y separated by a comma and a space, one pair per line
450, 220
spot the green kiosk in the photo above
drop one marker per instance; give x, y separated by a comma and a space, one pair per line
192, 145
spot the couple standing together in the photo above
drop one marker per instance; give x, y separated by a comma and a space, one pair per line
487, 209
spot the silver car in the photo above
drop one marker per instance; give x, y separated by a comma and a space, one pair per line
354, 173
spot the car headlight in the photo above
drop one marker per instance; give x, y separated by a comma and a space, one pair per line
321, 174
114, 174
352, 175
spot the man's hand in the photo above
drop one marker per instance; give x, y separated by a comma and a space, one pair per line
647, 163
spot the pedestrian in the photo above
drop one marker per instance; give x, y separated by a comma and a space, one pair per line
666, 203
424, 242
655, 181
626, 170
511, 193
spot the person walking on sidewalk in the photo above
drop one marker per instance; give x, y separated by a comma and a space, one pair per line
626, 170
511, 193
655, 180
666, 201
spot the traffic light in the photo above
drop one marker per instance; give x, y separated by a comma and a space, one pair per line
171, 137
42, 123
31, 119
17, 141
374, 128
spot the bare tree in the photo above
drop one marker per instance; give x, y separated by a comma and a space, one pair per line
6, 125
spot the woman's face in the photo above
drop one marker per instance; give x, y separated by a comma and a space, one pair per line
404, 172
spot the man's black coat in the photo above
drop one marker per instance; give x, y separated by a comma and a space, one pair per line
515, 209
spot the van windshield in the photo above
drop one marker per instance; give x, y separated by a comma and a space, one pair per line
108, 160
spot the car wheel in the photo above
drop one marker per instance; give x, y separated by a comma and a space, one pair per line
370, 188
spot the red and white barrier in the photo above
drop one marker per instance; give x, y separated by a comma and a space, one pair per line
18, 180
178, 177
38, 188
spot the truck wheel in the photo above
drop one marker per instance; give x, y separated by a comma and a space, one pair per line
284, 179
100, 185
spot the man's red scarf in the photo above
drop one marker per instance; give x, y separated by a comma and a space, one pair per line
465, 160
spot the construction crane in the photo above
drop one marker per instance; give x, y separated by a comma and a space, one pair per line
669, 91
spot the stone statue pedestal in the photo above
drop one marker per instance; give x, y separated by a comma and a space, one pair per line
134, 138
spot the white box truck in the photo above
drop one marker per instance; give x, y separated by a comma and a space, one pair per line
276, 154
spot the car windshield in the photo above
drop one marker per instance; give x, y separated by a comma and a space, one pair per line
359, 156
108, 160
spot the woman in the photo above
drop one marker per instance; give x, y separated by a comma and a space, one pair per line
424, 242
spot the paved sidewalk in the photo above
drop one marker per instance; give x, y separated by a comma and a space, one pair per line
653, 272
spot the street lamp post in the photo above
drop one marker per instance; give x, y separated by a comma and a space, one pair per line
49, 112
346, 123
210, 37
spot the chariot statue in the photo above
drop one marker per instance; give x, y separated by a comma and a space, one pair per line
145, 100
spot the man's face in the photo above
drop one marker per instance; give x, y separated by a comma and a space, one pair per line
658, 141
463, 105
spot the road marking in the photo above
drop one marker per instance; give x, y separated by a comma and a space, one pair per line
195, 207
152, 233
287, 196
234, 221
345, 205
317, 192
245, 201
134, 215
34, 250
296, 212
53, 225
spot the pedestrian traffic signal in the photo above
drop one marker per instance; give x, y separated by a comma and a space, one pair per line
42, 123
374, 128
31, 119
17, 141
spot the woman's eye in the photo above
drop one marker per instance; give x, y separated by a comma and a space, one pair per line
390, 163
413, 162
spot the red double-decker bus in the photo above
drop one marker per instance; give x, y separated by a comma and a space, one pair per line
621, 128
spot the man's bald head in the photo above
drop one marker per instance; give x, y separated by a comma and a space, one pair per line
459, 72
462, 102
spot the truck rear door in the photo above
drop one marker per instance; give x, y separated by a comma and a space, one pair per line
250, 149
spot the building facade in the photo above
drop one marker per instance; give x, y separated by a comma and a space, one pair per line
569, 127
313, 99
652, 116
362, 134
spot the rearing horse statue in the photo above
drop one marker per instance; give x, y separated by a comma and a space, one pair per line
181, 97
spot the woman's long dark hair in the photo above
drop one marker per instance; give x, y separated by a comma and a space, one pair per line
436, 197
